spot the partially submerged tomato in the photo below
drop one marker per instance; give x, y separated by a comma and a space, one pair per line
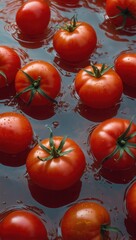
38, 83
125, 66
9, 65
85, 221
113, 144
33, 17
55, 163
75, 41
22, 225
16, 133
98, 86
122, 13
130, 199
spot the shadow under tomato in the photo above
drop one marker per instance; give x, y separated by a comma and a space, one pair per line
131, 227
16, 160
54, 199
96, 115
119, 177
7, 92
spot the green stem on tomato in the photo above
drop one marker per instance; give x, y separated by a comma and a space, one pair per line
53, 151
4, 76
97, 73
123, 145
72, 25
108, 228
33, 88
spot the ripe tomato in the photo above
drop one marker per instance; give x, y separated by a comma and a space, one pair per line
56, 163
38, 83
9, 65
16, 132
125, 65
75, 41
33, 17
98, 86
121, 12
84, 220
113, 144
130, 198
20, 225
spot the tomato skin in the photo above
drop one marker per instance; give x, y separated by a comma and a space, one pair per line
112, 10
33, 17
50, 82
131, 201
16, 132
84, 221
102, 92
77, 45
9, 64
125, 65
20, 225
103, 141
58, 173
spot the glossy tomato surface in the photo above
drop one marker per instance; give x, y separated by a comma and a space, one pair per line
60, 171
33, 17
130, 198
9, 64
68, 115
102, 91
22, 225
84, 221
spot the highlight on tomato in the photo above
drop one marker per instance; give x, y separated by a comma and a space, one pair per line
55, 163
22, 224
86, 220
75, 41
113, 144
98, 86
121, 13
9, 65
38, 83
33, 17
16, 133
130, 201
125, 65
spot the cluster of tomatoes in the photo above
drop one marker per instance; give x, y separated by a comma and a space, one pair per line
98, 86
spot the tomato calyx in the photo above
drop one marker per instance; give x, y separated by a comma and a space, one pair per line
72, 25
123, 145
53, 151
5, 77
97, 73
108, 228
33, 88
125, 13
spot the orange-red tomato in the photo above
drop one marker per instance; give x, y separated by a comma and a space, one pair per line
84, 221
125, 66
130, 199
121, 12
56, 165
9, 65
113, 144
38, 83
33, 17
75, 41
22, 225
16, 133
100, 89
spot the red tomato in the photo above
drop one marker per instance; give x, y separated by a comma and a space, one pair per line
22, 225
9, 65
56, 163
98, 87
75, 41
125, 65
38, 83
113, 144
33, 17
130, 198
16, 132
121, 12
84, 221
